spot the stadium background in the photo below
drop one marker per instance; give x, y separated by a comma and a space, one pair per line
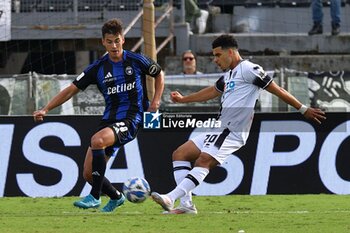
44, 44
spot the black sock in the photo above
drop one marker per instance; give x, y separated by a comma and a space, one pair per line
98, 172
110, 190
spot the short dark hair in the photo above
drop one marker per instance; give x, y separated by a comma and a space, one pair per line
113, 26
225, 41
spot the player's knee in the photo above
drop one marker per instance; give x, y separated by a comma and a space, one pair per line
206, 161
179, 154
97, 142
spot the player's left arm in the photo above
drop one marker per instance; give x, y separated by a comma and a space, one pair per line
314, 114
159, 88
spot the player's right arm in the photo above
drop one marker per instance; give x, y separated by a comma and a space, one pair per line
59, 99
202, 95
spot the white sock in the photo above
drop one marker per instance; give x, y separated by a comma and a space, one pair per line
181, 169
192, 180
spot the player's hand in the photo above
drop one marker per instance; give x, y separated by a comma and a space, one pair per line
176, 97
39, 115
154, 106
315, 114
152, 109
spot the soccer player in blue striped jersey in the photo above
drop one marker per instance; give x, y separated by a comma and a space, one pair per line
120, 75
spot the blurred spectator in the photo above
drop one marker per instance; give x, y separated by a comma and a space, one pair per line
189, 63
194, 13
317, 16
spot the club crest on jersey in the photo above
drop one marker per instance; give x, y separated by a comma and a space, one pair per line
129, 70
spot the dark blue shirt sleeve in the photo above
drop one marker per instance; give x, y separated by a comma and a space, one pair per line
148, 66
87, 77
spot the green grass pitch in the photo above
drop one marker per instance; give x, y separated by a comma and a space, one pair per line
253, 214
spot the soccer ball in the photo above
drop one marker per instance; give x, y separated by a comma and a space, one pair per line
136, 189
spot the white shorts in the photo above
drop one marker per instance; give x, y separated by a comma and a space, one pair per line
218, 144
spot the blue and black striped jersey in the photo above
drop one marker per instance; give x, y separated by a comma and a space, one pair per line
122, 84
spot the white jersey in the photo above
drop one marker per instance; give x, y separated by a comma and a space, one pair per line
240, 89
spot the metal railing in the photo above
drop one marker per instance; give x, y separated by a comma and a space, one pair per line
22, 94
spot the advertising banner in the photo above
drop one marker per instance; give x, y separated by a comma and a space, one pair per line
330, 90
285, 154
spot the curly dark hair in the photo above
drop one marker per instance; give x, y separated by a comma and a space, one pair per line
113, 26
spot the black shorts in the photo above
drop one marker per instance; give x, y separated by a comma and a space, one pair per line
124, 132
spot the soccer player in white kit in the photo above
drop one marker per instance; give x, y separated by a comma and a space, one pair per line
239, 89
